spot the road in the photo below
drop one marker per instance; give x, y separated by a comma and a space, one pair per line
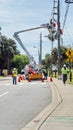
20, 103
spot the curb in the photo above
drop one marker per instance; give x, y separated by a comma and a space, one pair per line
38, 121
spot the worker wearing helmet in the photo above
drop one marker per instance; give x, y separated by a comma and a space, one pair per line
14, 76
64, 71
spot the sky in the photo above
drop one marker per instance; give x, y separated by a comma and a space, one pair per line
16, 15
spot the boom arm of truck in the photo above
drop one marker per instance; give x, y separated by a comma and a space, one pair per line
16, 36
22, 45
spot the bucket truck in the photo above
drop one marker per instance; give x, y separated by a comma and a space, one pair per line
32, 71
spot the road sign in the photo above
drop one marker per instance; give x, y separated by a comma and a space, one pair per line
69, 53
70, 59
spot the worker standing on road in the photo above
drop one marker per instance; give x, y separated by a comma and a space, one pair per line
64, 71
14, 76
45, 72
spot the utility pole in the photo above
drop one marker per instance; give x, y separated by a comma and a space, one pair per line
56, 12
59, 39
40, 52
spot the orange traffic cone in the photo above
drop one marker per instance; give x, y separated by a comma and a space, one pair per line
29, 80
51, 78
19, 79
42, 79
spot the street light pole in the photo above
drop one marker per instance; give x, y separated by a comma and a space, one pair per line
59, 39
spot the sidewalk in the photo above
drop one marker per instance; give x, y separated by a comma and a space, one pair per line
59, 114
62, 117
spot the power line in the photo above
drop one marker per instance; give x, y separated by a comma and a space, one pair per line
68, 34
66, 13
65, 18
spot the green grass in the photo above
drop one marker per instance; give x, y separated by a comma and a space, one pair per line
1, 76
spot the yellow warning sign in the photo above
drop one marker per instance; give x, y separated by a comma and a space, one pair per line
70, 59
69, 53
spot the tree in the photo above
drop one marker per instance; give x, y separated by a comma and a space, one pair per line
53, 57
63, 55
19, 61
14, 47
47, 61
8, 49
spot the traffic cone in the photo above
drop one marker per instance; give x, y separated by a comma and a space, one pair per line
22, 77
42, 79
29, 80
51, 78
19, 79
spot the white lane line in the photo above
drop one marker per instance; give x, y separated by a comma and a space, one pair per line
4, 93
37, 83
7, 84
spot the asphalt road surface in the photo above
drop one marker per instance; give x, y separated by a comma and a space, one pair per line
20, 103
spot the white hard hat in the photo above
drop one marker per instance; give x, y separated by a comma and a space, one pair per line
64, 65
14, 68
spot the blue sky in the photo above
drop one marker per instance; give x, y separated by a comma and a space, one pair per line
17, 15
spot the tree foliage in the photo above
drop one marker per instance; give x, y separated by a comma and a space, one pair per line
19, 61
8, 49
54, 57
54, 54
